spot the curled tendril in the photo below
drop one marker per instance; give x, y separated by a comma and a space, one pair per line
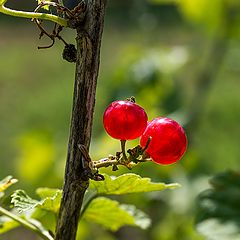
57, 28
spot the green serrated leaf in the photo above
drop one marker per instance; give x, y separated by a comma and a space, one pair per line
51, 204
128, 183
24, 203
112, 215
7, 224
6, 183
46, 192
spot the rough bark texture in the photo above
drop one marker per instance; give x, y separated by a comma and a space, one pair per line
88, 40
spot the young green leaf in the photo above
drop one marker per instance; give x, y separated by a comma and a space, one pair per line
112, 215
128, 183
46, 192
22, 201
50, 203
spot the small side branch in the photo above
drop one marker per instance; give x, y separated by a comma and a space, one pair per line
135, 156
107, 162
43, 234
33, 15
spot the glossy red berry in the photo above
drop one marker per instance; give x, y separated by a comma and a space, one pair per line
168, 143
124, 120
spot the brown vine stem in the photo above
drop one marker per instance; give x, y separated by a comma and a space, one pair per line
89, 34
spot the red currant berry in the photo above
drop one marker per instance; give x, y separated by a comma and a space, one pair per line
168, 140
124, 120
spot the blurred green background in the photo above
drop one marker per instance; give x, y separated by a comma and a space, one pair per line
178, 58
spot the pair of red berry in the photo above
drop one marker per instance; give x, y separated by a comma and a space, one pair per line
125, 120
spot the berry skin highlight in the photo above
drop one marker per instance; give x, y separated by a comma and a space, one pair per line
124, 120
168, 140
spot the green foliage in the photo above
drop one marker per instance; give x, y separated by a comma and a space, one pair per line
22, 202
112, 215
128, 183
97, 209
218, 208
50, 200
45, 192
